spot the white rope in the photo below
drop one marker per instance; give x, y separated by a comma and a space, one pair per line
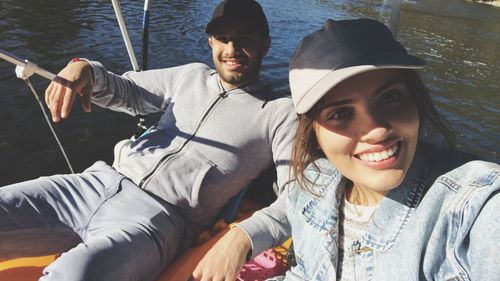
50, 124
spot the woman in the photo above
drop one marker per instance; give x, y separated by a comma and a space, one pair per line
383, 203
371, 199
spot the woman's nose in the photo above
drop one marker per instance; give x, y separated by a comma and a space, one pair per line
374, 129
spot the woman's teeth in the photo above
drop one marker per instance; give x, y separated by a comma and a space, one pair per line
379, 156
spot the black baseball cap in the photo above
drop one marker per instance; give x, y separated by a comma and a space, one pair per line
247, 12
340, 50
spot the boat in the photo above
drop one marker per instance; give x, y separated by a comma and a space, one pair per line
272, 262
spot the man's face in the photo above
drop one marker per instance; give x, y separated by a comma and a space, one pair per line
237, 52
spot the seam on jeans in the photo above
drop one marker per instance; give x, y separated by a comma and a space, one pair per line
115, 184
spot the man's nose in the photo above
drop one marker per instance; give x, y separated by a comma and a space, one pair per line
231, 48
231, 45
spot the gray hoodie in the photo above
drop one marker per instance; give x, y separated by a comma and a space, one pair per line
209, 143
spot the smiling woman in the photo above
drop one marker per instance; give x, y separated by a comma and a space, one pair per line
372, 200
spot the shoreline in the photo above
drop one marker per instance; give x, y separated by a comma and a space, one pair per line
495, 3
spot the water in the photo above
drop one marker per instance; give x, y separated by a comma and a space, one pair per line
459, 40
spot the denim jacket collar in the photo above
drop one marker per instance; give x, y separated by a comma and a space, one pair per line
321, 211
397, 206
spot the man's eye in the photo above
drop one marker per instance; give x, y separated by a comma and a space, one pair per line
222, 38
245, 40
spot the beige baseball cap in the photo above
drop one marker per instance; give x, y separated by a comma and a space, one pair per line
339, 50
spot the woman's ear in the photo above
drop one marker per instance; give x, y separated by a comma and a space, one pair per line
315, 130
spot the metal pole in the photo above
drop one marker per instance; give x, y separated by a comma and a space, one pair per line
145, 34
395, 12
126, 38
26, 68
11, 58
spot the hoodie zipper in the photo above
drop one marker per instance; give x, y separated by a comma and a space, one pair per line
221, 96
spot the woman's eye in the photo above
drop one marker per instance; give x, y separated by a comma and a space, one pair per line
391, 97
340, 114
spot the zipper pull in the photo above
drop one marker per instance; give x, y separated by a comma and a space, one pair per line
223, 94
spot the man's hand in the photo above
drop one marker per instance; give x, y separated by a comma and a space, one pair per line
226, 258
75, 78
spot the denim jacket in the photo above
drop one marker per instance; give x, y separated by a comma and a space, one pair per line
441, 223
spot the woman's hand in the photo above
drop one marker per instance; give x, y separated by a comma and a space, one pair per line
226, 258
75, 78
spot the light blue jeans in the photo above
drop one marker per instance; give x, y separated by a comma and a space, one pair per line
105, 226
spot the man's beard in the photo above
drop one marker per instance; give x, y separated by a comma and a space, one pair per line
241, 78
248, 75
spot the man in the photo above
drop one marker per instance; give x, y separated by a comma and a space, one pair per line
219, 130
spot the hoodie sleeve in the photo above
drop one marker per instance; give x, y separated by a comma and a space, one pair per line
141, 92
269, 227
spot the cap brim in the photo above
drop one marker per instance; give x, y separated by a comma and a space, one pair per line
229, 21
331, 78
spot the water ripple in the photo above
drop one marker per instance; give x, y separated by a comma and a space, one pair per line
459, 44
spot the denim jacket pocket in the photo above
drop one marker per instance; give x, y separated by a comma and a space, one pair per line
315, 239
316, 254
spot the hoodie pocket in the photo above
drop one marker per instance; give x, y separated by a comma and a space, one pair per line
179, 178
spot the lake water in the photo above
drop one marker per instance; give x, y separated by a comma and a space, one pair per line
459, 39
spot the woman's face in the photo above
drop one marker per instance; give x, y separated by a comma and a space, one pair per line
368, 128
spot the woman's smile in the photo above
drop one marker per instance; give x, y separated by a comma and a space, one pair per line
378, 158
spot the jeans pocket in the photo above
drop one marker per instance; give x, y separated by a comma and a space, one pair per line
103, 179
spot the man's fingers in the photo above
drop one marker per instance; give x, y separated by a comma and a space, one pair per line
57, 102
204, 272
86, 98
52, 103
197, 271
60, 94
55, 97
68, 99
48, 92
